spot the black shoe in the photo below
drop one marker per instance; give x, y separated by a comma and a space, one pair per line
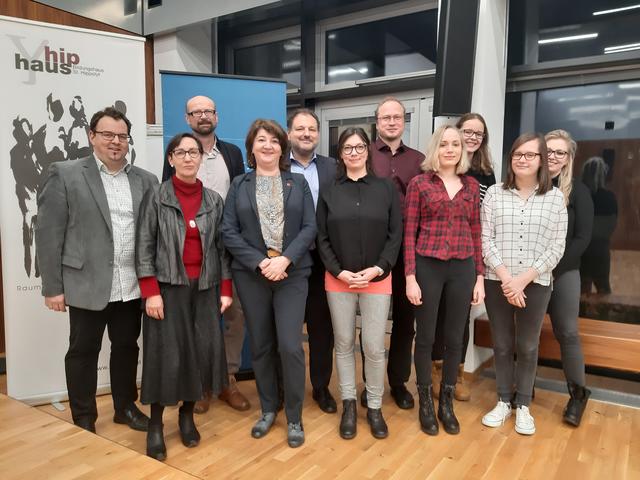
155, 442
349, 421
87, 424
403, 397
577, 403
445, 410
376, 423
325, 400
188, 432
132, 417
427, 412
363, 399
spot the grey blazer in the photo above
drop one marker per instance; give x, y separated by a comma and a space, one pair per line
74, 241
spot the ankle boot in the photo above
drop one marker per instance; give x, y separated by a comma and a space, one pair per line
427, 412
462, 392
349, 421
576, 405
155, 442
188, 432
445, 410
436, 377
376, 423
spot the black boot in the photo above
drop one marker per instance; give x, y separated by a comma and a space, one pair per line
188, 432
427, 412
155, 442
576, 405
445, 410
376, 423
349, 421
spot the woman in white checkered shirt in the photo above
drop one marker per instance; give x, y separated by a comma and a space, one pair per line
524, 225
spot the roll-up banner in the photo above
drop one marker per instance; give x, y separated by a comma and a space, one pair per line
53, 79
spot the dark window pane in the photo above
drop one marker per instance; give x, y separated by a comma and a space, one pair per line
273, 60
547, 30
392, 46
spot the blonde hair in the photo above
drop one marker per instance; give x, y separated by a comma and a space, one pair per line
565, 178
431, 162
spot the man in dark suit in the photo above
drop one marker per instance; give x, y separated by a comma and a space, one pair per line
221, 163
320, 172
87, 214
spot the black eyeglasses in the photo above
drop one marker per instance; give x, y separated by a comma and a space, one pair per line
202, 113
123, 137
468, 133
559, 154
527, 155
348, 149
193, 153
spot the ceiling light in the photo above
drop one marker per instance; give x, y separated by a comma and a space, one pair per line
571, 38
627, 86
616, 10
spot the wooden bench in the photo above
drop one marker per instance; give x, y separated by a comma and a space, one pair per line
605, 344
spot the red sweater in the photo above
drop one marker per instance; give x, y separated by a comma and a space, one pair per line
190, 198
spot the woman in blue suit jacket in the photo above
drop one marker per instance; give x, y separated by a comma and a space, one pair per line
268, 226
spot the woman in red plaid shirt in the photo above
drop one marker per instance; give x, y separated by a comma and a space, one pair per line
443, 257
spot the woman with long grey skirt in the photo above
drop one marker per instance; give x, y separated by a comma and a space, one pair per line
524, 226
565, 298
359, 237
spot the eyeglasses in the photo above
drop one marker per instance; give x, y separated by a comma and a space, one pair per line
471, 133
388, 118
123, 137
527, 155
559, 154
193, 153
348, 149
202, 113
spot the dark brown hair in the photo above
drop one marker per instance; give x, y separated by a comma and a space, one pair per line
272, 127
481, 159
176, 140
544, 177
302, 111
109, 112
341, 167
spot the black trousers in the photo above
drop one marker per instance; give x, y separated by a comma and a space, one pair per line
437, 353
274, 314
122, 320
319, 327
454, 280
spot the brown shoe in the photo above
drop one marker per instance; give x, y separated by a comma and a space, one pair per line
202, 406
462, 392
436, 377
234, 397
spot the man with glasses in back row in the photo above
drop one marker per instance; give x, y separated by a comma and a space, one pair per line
85, 228
221, 163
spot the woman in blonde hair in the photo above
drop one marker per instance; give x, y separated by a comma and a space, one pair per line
565, 297
443, 258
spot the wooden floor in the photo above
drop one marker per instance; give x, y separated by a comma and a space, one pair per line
34, 445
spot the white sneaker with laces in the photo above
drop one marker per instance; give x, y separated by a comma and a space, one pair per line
498, 415
524, 421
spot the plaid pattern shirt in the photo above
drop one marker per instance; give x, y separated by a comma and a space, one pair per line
436, 226
522, 233
124, 286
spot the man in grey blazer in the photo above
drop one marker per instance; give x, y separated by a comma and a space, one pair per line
320, 173
85, 240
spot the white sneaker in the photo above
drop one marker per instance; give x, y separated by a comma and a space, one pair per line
498, 415
524, 421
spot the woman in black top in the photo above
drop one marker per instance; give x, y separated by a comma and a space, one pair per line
565, 297
476, 140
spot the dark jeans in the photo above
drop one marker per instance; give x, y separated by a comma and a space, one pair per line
437, 353
520, 326
454, 280
563, 311
122, 320
274, 314
319, 327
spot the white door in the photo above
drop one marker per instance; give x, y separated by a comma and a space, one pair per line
337, 115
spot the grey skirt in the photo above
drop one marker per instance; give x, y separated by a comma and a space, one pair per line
183, 354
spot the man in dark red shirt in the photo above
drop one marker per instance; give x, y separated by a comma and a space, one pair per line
393, 159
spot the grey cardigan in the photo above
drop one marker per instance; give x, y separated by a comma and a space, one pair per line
161, 233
